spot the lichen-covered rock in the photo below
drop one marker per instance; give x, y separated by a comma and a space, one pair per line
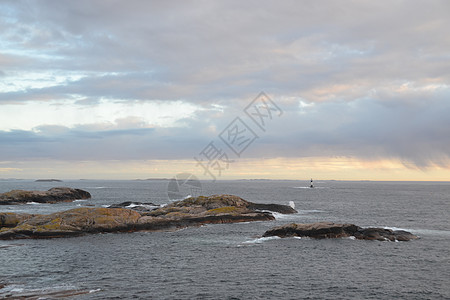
190, 212
211, 202
53, 195
218, 201
73, 222
332, 230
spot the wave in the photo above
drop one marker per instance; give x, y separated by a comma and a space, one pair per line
279, 216
79, 200
262, 240
33, 203
142, 205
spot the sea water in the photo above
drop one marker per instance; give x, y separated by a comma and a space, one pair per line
233, 261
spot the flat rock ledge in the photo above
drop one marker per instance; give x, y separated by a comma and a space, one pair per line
323, 230
53, 195
75, 222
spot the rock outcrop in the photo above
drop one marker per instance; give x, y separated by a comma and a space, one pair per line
189, 212
216, 201
53, 195
322, 230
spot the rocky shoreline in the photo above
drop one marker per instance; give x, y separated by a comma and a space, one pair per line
323, 230
137, 216
53, 195
189, 212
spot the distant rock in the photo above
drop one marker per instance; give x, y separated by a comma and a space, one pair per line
53, 195
48, 180
331, 230
189, 212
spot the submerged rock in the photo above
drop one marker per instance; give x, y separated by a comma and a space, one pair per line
189, 212
53, 195
332, 230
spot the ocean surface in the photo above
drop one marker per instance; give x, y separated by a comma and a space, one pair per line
232, 261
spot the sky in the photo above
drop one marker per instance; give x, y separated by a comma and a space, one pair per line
344, 90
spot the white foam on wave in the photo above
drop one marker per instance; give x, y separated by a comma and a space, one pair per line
181, 199
79, 200
33, 203
99, 187
94, 291
262, 240
279, 216
142, 205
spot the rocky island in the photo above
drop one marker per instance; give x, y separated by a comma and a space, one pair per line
194, 211
323, 230
48, 180
53, 195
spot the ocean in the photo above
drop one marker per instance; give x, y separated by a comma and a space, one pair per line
232, 261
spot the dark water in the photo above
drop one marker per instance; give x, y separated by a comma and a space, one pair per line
230, 261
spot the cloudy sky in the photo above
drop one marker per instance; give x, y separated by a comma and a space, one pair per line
140, 89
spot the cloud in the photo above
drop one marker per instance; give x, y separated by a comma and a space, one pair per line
416, 133
157, 80
105, 112
203, 50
